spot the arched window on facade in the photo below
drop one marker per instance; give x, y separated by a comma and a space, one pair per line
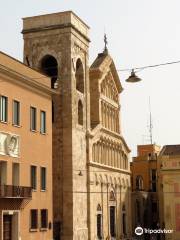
49, 66
112, 213
79, 76
99, 222
112, 221
80, 113
139, 183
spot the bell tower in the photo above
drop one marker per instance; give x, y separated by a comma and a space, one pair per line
57, 45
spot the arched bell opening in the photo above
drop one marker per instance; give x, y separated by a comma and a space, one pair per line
49, 66
79, 76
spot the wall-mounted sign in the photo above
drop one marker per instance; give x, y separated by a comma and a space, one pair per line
9, 144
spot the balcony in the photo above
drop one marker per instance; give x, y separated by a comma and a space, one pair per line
9, 191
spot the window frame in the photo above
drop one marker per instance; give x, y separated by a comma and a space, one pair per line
33, 225
43, 185
33, 120
99, 225
44, 222
33, 185
112, 221
18, 113
3, 115
43, 124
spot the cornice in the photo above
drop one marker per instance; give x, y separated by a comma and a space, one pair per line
24, 81
56, 26
111, 169
99, 128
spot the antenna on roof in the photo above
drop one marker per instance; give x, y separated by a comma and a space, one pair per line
150, 126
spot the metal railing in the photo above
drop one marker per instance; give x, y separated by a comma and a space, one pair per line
10, 191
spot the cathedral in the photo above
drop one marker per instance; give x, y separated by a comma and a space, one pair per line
91, 188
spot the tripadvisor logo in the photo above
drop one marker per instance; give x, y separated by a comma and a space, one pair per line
139, 231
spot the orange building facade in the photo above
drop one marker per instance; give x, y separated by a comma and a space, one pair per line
25, 152
144, 187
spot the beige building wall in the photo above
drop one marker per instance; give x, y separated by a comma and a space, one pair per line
64, 37
108, 159
169, 190
86, 120
18, 82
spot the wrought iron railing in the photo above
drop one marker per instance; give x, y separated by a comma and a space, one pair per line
10, 191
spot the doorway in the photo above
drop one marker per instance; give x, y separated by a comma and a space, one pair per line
10, 226
7, 227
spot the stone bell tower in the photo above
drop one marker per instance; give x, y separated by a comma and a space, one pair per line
57, 45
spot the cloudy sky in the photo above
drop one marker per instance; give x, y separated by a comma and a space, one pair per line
139, 33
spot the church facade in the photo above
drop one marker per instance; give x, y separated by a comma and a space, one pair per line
91, 172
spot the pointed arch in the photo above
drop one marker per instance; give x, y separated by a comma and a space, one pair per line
79, 76
99, 221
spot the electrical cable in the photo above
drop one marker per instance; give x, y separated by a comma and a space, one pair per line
148, 66
118, 70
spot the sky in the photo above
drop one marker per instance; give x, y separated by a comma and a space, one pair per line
139, 33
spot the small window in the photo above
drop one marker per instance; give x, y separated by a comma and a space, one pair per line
33, 118
3, 109
43, 178
99, 226
139, 183
34, 177
80, 113
153, 174
44, 218
16, 113
43, 122
79, 76
124, 223
34, 219
112, 221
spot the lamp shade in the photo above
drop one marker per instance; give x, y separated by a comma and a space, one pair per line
133, 78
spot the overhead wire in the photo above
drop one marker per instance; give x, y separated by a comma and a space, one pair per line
118, 70
148, 66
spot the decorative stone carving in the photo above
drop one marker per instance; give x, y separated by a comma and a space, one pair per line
9, 144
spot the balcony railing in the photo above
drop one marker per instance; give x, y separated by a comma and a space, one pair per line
9, 191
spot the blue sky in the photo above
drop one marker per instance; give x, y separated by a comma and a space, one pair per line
139, 33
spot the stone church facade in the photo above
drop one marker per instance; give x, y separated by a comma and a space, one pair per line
91, 173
